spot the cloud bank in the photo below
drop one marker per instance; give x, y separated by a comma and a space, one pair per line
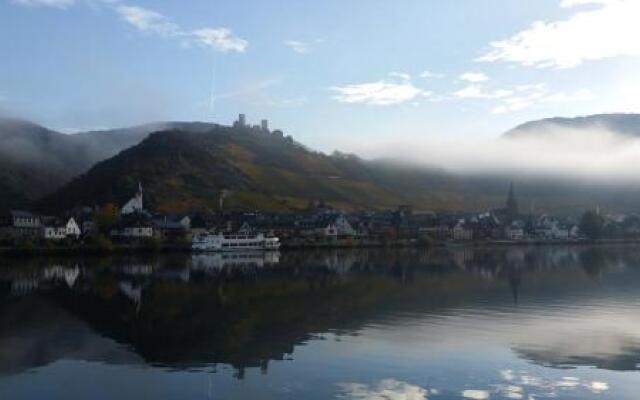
611, 30
596, 155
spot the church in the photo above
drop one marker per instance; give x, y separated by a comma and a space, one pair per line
134, 205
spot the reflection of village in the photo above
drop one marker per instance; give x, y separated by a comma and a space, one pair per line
491, 263
245, 309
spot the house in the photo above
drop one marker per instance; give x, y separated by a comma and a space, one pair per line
549, 228
137, 231
514, 231
54, 232
461, 232
169, 229
439, 232
134, 226
20, 224
54, 228
72, 228
334, 227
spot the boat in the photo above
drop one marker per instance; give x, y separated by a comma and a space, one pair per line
234, 242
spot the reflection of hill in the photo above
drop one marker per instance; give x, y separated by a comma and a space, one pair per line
189, 312
34, 332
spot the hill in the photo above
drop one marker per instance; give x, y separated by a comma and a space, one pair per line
623, 124
35, 161
185, 166
183, 170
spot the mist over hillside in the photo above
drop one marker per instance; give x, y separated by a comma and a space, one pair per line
35, 161
184, 166
598, 150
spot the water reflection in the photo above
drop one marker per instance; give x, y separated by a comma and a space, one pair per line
559, 307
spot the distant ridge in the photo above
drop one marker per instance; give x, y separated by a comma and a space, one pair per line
624, 124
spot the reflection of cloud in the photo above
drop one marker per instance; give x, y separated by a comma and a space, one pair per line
521, 384
386, 389
475, 394
598, 387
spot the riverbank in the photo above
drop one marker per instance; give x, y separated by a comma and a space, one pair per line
300, 245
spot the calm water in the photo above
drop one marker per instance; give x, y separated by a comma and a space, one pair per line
506, 323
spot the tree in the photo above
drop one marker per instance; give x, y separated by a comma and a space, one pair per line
592, 225
106, 217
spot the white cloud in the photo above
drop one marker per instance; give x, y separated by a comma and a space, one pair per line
477, 92
386, 389
574, 3
298, 46
428, 75
221, 39
401, 75
148, 20
61, 4
611, 30
532, 95
380, 93
474, 77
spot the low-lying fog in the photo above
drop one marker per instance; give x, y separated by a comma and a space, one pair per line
555, 152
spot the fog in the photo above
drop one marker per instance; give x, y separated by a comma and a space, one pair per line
599, 155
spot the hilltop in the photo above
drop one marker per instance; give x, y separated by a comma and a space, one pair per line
622, 124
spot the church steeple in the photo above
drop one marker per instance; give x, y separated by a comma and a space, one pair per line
512, 203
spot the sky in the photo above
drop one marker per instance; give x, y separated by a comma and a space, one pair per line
334, 74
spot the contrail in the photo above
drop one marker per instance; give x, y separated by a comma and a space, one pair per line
212, 100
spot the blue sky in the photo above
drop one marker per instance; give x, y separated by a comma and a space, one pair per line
333, 73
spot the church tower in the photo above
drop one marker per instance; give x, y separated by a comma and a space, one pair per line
134, 205
512, 204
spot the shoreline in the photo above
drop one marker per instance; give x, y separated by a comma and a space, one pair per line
142, 249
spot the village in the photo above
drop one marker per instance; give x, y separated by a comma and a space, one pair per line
134, 227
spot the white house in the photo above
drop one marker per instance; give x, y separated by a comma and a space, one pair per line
343, 226
55, 232
549, 228
335, 227
134, 205
72, 228
460, 232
